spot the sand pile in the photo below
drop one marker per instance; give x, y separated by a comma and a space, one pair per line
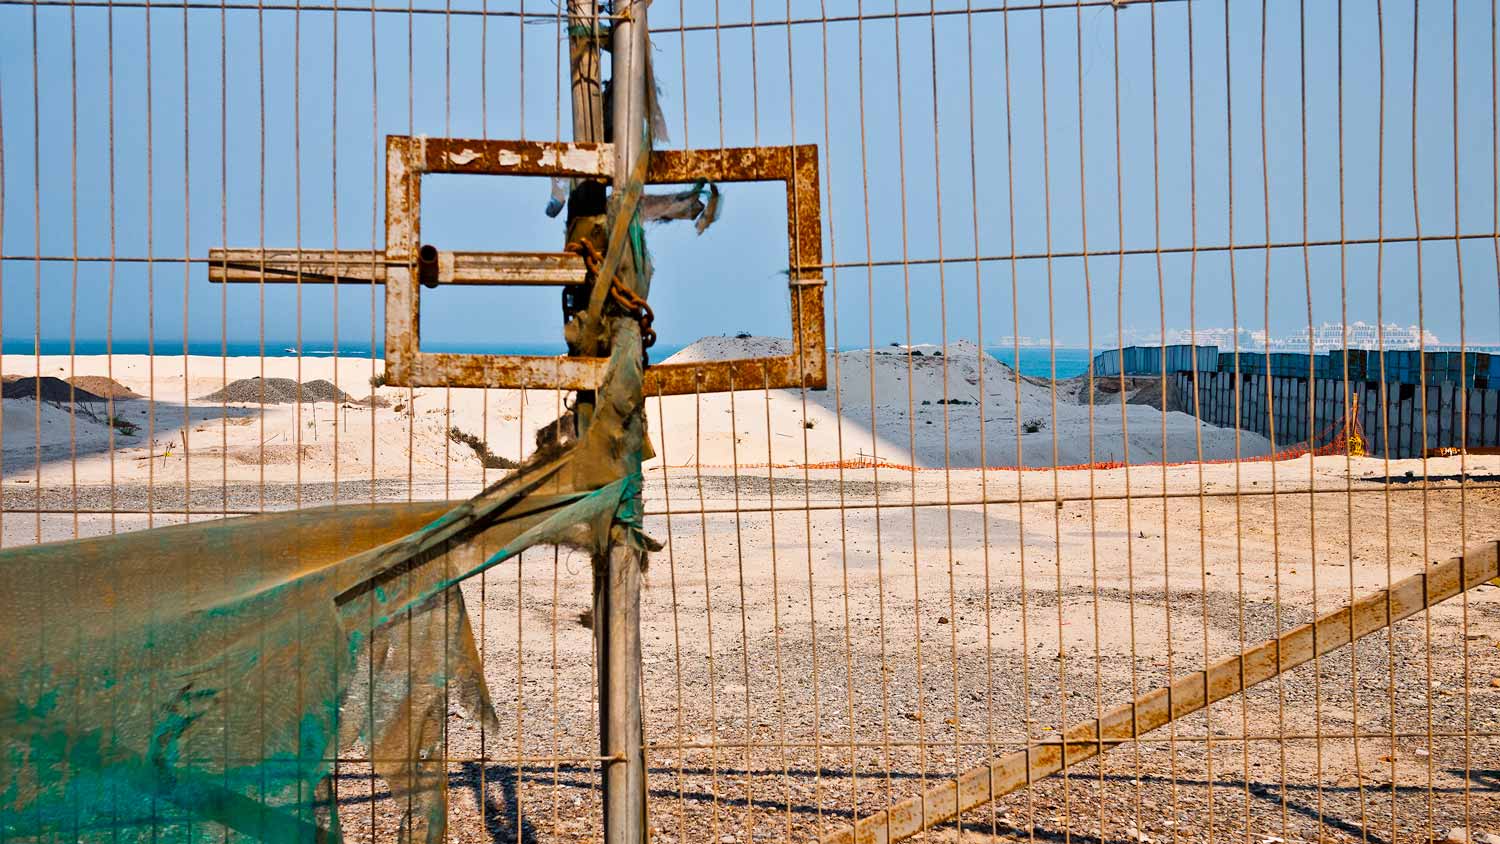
103, 386
62, 428
925, 405
48, 388
730, 348
983, 392
277, 391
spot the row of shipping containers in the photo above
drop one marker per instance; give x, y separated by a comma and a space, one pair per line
1148, 360
1389, 416
1472, 369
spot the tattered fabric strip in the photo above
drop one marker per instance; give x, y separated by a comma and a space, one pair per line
192, 682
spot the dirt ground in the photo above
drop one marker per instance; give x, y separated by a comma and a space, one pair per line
820, 643
844, 641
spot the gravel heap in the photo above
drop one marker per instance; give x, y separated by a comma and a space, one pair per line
277, 391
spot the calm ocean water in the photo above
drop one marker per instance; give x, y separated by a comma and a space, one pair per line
1035, 362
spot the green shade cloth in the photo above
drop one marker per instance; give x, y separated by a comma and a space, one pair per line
195, 682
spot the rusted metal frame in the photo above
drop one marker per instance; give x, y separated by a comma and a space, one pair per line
807, 364
409, 158
325, 266
406, 264
1186, 694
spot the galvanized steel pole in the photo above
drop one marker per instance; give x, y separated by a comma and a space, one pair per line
617, 587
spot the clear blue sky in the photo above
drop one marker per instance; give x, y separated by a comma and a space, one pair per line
469, 76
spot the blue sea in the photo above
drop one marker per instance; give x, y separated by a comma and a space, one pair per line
1033, 361
1036, 362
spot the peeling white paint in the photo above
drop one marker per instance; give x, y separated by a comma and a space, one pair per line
587, 161
508, 158
462, 158
575, 160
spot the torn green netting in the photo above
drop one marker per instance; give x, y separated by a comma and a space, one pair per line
194, 682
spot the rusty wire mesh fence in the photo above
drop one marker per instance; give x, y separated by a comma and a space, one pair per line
976, 538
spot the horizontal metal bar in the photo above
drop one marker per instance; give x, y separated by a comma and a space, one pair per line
1175, 249
407, 10
512, 372
327, 266
931, 14
576, 159
1013, 737
686, 476
543, 18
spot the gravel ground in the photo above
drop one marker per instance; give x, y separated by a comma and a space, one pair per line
771, 645
804, 669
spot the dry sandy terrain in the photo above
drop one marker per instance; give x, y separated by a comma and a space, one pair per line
821, 641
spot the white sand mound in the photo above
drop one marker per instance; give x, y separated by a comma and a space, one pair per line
59, 425
926, 406
731, 348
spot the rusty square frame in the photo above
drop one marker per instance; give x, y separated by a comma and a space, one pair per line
409, 158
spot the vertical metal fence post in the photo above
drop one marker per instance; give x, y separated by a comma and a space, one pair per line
617, 585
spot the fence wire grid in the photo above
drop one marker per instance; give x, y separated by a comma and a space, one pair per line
974, 539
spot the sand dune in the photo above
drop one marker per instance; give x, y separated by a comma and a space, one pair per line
926, 408
929, 407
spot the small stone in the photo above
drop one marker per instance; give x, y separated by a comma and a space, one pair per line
1495, 683
942, 619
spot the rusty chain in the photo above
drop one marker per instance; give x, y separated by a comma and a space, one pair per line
628, 301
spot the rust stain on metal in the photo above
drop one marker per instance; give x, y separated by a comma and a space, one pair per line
510, 158
506, 371
325, 266
311, 266
1186, 694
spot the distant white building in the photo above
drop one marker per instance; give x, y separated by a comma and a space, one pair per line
1359, 335
1329, 335
1224, 338
1024, 342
